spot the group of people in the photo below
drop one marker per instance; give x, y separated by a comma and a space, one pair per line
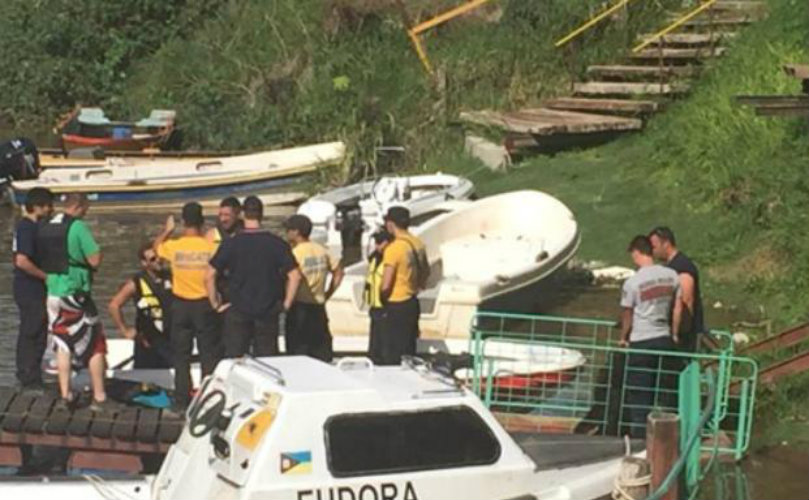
661, 311
225, 289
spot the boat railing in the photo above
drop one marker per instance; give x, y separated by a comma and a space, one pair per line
614, 388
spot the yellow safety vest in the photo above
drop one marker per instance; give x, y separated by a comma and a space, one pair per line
373, 283
148, 306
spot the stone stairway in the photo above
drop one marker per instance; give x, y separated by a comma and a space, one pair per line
619, 97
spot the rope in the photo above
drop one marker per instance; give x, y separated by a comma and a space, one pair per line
619, 493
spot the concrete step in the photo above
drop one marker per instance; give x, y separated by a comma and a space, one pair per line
628, 88
687, 39
682, 55
634, 72
607, 106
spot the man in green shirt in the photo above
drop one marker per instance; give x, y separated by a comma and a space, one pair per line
70, 256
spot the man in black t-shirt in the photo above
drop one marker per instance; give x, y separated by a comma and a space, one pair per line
263, 279
29, 290
665, 249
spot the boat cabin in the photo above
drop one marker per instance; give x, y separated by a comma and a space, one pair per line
297, 428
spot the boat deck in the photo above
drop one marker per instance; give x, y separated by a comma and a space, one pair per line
555, 451
106, 440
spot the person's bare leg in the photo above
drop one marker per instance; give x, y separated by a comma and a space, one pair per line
97, 366
63, 371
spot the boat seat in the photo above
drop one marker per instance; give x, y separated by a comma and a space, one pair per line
555, 451
479, 258
93, 116
158, 118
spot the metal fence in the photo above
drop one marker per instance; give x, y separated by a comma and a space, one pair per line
570, 375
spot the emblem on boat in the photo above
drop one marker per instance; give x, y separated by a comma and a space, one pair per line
298, 462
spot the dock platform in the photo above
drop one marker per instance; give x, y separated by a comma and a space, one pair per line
109, 440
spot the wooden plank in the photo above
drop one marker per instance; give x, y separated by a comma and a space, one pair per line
719, 22
17, 412
546, 122
80, 422
148, 422
628, 88
678, 54
739, 5
627, 71
787, 338
798, 363
687, 39
82, 443
628, 106
39, 413
119, 462
125, 424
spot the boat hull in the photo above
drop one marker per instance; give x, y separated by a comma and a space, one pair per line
74, 141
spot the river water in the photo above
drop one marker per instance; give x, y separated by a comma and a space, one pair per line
775, 473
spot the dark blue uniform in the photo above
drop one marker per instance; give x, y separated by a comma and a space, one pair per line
29, 294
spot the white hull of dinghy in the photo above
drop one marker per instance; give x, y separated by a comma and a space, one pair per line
87, 487
489, 248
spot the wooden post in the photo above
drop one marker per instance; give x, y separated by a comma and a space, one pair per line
663, 449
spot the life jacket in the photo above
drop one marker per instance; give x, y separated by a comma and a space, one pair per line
151, 305
372, 295
52, 244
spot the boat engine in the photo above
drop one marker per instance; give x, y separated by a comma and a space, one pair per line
19, 160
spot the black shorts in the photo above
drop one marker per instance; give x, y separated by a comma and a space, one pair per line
307, 331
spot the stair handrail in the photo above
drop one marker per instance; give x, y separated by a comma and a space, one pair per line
674, 25
414, 32
590, 23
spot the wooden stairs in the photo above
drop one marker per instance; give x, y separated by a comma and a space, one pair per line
619, 97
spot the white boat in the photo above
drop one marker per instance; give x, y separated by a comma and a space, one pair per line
296, 428
483, 250
362, 206
127, 183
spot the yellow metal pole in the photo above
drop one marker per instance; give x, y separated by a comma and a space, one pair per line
420, 51
589, 24
673, 26
446, 16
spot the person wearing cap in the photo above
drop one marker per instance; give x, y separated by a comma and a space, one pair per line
263, 279
373, 292
191, 314
307, 326
405, 273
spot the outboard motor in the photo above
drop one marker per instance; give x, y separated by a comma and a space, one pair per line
19, 160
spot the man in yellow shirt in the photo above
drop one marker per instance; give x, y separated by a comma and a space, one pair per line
191, 314
307, 326
406, 270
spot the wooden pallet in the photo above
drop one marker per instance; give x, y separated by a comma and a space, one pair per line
681, 54
110, 437
545, 122
687, 39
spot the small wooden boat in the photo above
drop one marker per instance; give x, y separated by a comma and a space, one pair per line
157, 182
90, 128
480, 251
361, 207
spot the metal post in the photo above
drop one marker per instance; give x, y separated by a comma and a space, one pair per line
663, 449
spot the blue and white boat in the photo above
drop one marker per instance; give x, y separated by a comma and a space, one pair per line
139, 184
